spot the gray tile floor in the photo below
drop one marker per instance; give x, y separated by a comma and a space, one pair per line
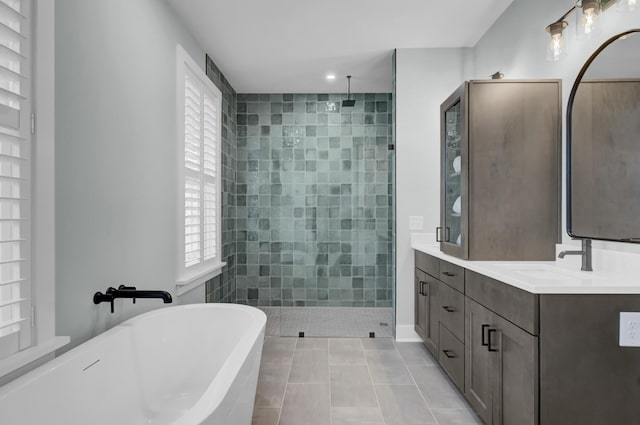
351, 381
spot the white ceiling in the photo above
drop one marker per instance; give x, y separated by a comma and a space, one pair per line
288, 46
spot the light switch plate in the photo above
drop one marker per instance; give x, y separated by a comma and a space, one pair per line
629, 329
416, 222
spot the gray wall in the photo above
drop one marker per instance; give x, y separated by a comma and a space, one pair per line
116, 163
424, 79
314, 214
515, 43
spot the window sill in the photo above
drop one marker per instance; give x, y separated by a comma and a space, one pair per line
193, 281
23, 358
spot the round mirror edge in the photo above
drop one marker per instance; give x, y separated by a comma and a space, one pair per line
568, 165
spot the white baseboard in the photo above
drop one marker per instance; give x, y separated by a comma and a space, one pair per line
406, 333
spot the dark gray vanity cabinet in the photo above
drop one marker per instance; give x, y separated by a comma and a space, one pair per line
478, 364
501, 378
420, 304
439, 310
500, 170
432, 295
533, 359
515, 371
426, 300
484, 334
586, 377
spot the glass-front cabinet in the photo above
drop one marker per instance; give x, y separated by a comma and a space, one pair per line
451, 233
500, 170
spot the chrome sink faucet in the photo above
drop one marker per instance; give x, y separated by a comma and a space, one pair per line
585, 252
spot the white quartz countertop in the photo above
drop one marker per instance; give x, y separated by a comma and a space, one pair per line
541, 277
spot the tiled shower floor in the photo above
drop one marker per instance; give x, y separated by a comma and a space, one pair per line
352, 381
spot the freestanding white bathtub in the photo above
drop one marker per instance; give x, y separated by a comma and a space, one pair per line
186, 365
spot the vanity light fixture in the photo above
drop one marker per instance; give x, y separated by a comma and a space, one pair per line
587, 17
556, 45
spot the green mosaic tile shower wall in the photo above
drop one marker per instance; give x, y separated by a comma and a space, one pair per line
222, 288
314, 200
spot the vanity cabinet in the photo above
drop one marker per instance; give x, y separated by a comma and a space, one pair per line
484, 334
500, 170
501, 375
478, 366
439, 313
522, 358
426, 308
501, 368
420, 304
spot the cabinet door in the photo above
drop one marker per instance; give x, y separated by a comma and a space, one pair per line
452, 234
420, 310
514, 153
478, 381
515, 374
432, 305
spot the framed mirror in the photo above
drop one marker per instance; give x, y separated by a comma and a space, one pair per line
603, 144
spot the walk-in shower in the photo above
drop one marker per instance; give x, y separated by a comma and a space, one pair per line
315, 188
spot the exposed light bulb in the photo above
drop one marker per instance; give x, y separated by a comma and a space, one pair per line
331, 77
589, 21
590, 12
556, 46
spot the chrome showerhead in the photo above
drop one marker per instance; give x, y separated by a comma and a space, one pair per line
348, 102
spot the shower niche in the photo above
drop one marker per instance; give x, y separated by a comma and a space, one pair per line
500, 170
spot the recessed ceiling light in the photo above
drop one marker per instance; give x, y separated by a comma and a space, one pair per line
331, 77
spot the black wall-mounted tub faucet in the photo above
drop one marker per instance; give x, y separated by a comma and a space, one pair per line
129, 292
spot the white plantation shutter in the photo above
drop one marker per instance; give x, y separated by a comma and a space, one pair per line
15, 177
200, 171
193, 171
210, 170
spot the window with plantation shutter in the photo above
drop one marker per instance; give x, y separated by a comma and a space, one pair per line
199, 134
15, 177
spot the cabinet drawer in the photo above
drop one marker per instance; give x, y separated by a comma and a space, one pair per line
517, 306
451, 356
427, 264
451, 310
452, 275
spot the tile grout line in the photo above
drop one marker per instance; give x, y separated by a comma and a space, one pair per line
415, 383
366, 360
286, 387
